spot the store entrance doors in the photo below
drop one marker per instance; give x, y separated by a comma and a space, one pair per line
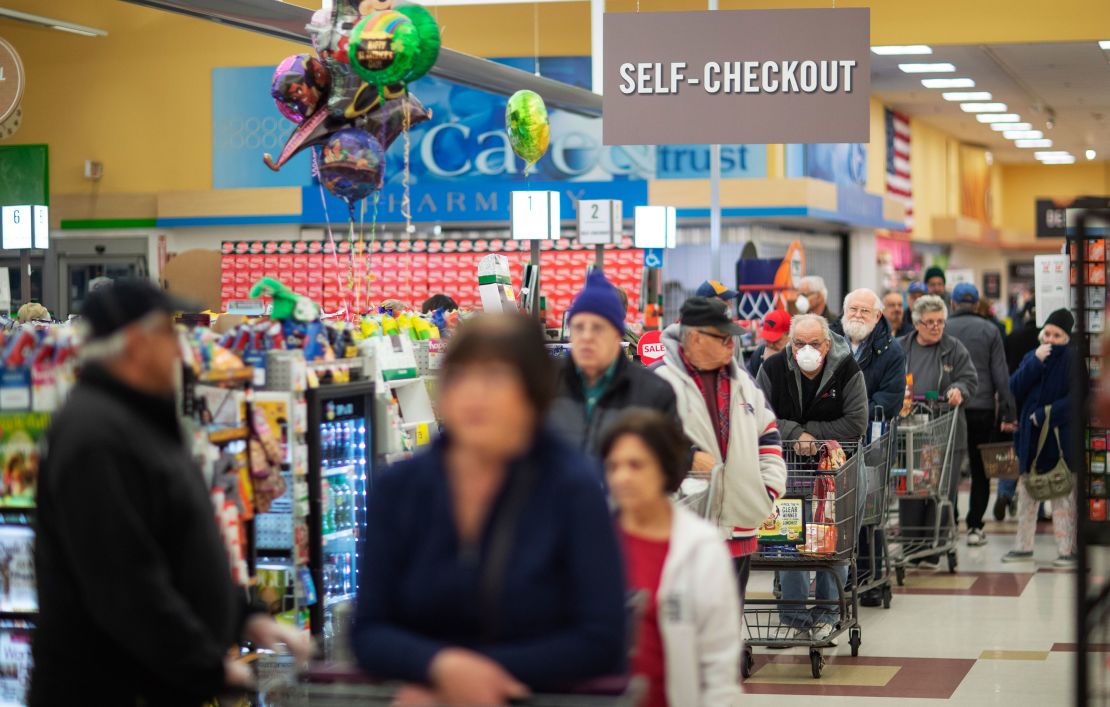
79, 260
79, 272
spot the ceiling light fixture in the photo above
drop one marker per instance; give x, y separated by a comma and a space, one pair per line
1011, 126
948, 83
1104, 44
1091, 154
1022, 134
1033, 143
983, 107
998, 117
1048, 154
967, 96
938, 68
1058, 160
902, 49
52, 23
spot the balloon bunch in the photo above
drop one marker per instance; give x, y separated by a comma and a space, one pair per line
352, 99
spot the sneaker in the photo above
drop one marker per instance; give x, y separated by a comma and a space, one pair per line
976, 537
1018, 556
822, 633
802, 633
1001, 504
1066, 562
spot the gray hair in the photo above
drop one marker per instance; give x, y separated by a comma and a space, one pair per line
806, 318
926, 304
895, 292
878, 300
816, 283
684, 332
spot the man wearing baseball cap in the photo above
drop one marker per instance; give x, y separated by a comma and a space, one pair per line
136, 601
914, 292
726, 416
773, 333
991, 409
715, 289
597, 381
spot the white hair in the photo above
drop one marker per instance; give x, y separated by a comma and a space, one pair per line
926, 304
807, 318
878, 300
816, 283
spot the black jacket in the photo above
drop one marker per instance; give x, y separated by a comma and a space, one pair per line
136, 601
884, 371
840, 410
632, 386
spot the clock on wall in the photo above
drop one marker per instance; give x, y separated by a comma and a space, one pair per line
12, 80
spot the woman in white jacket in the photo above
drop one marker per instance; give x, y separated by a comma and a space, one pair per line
688, 640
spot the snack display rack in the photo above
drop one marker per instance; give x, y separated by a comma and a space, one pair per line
1086, 246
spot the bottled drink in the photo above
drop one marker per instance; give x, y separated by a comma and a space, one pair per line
342, 498
327, 509
326, 440
347, 568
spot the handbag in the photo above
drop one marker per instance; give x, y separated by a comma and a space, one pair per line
1044, 486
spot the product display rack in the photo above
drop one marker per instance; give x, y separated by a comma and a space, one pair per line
1086, 247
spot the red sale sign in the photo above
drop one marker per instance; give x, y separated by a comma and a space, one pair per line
651, 347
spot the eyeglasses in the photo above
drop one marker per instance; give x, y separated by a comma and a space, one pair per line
932, 323
722, 339
860, 310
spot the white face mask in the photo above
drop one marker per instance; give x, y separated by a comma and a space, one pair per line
801, 304
808, 358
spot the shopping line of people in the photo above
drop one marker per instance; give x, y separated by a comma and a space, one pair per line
535, 545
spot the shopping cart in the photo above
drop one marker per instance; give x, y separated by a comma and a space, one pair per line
873, 566
814, 527
923, 482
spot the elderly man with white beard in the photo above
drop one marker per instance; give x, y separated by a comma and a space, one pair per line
878, 354
883, 363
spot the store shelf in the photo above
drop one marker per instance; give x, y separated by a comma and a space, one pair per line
339, 535
233, 434
336, 471
332, 601
234, 375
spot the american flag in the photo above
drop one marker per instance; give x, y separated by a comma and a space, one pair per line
898, 181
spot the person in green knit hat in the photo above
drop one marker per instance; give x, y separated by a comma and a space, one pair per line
937, 282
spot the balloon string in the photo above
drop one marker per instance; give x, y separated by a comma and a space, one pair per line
406, 204
536, 36
359, 309
327, 222
351, 292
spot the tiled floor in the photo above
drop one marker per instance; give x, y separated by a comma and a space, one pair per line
992, 634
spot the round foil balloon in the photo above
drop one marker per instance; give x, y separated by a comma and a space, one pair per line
383, 46
529, 131
428, 31
300, 82
353, 164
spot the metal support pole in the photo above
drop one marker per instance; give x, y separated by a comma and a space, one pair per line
714, 201
536, 264
597, 42
24, 276
599, 257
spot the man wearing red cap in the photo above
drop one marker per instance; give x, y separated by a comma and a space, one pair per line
773, 332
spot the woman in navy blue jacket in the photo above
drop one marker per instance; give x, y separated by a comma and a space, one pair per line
1044, 381
490, 566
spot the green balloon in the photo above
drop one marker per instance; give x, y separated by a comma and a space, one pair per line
428, 31
382, 47
526, 122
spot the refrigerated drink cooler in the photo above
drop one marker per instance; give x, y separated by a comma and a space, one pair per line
340, 439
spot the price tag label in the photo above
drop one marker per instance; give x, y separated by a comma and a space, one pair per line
423, 435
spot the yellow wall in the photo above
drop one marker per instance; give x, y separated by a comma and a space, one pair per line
876, 151
936, 189
1023, 184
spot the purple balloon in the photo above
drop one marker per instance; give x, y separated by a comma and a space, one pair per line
300, 86
353, 164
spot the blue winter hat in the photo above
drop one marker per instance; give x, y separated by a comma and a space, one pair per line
965, 293
599, 297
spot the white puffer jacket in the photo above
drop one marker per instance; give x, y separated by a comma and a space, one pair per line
754, 474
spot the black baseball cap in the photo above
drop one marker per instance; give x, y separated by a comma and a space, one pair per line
706, 311
111, 307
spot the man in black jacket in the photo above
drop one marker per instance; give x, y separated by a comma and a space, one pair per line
597, 381
136, 602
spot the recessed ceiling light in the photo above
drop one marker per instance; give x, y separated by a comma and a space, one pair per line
948, 83
1104, 44
1022, 134
1059, 160
1033, 143
1051, 153
902, 49
967, 96
998, 117
1011, 126
1091, 154
938, 68
983, 107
